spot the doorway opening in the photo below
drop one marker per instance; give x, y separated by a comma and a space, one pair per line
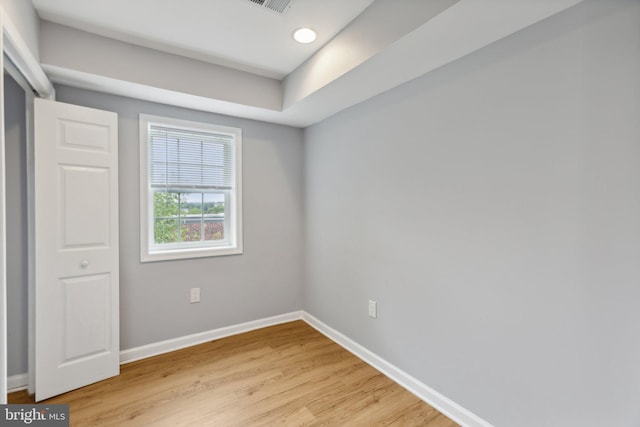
17, 96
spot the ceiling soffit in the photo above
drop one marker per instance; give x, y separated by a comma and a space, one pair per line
358, 64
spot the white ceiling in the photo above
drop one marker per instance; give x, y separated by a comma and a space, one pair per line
234, 33
233, 57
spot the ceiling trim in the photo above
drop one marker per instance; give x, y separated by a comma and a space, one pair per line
20, 55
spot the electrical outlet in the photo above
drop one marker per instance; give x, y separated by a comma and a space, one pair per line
195, 295
373, 309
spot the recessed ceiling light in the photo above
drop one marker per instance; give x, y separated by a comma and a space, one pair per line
304, 35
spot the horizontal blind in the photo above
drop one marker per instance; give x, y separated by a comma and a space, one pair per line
186, 159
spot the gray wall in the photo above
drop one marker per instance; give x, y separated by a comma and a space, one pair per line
266, 280
73, 49
492, 209
16, 194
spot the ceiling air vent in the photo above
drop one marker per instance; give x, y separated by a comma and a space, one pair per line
278, 6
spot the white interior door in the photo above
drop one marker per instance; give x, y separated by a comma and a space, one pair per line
76, 247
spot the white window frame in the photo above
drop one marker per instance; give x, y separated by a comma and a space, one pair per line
149, 251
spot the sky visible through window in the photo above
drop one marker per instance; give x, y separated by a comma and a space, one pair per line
197, 197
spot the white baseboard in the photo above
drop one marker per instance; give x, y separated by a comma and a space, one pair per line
21, 381
17, 382
443, 404
154, 349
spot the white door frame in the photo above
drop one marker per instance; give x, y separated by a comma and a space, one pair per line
3, 239
14, 47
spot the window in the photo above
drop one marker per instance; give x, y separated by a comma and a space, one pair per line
190, 189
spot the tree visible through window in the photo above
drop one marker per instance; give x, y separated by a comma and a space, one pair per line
187, 217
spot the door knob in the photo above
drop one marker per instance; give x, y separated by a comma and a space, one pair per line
84, 263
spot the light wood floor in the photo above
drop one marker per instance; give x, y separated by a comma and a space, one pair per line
282, 375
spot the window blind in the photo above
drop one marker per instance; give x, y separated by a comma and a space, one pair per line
185, 159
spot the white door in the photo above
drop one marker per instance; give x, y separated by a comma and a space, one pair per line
76, 247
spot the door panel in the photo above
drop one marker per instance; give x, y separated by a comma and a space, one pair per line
84, 136
85, 224
87, 316
76, 247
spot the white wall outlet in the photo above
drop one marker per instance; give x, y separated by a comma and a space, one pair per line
373, 309
195, 295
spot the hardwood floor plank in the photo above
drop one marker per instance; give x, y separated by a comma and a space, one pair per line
288, 374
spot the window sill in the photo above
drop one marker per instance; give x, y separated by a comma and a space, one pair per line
176, 254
